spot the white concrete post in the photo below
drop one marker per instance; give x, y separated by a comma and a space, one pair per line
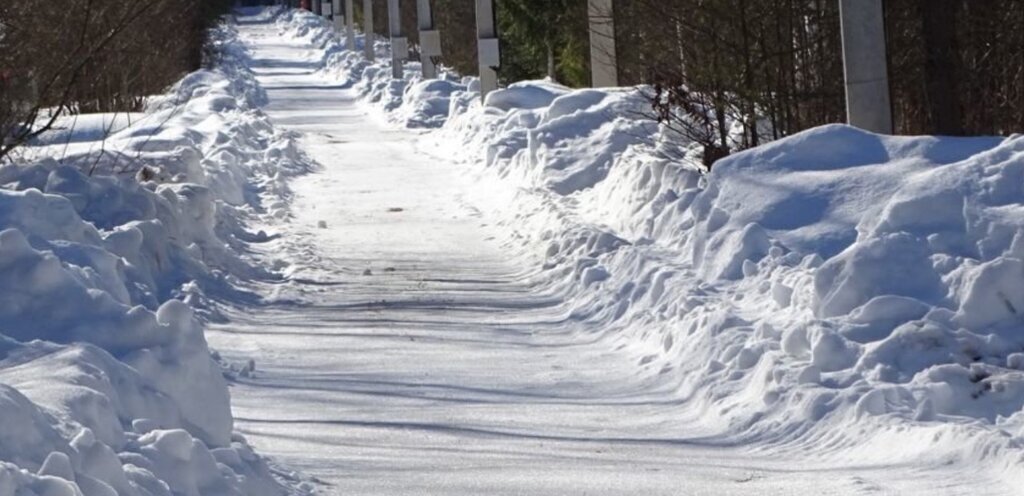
603, 61
868, 103
350, 24
368, 29
430, 39
339, 21
487, 46
399, 43
326, 8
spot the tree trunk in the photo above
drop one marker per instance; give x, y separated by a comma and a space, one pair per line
941, 65
551, 60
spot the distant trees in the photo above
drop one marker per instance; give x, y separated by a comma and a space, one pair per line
457, 21
957, 66
545, 38
68, 56
540, 38
730, 74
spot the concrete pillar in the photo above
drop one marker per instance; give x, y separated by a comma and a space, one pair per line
326, 9
604, 68
368, 29
399, 43
350, 24
430, 39
864, 60
339, 20
487, 46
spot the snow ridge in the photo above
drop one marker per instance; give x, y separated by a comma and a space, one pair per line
840, 293
113, 252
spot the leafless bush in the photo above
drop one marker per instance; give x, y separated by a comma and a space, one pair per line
68, 56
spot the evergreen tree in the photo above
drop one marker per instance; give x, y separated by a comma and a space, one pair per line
544, 38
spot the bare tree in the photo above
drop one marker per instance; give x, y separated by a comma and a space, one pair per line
68, 56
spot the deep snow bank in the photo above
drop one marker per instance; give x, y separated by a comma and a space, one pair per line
411, 102
835, 292
107, 249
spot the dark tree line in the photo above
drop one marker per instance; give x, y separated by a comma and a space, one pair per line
774, 67
60, 57
728, 74
731, 74
957, 66
540, 38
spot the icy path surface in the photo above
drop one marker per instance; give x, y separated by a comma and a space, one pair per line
412, 356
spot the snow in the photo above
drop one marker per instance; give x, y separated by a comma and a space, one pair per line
529, 296
516, 296
115, 250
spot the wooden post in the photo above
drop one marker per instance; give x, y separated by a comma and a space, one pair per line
430, 39
368, 29
868, 104
487, 46
603, 61
350, 24
399, 44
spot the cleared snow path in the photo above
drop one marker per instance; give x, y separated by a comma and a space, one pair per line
411, 355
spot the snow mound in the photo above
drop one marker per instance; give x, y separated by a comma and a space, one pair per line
834, 293
113, 251
528, 95
409, 101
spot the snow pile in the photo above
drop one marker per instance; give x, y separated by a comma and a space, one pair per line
410, 101
835, 284
835, 292
107, 249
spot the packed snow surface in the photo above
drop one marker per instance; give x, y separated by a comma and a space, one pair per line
525, 295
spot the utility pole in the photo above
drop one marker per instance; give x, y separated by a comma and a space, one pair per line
604, 68
350, 24
868, 104
399, 43
430, 39
488, 47
368, 29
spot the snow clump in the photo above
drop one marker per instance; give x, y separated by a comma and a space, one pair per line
113, 252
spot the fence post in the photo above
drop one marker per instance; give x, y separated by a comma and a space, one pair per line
430, 39
399, 44
368, 29
603, 61
487, 46
350, 24
868, 104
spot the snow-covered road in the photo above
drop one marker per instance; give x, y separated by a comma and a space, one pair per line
412, 354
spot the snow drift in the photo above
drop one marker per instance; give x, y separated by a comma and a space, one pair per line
835, 292
113, 251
